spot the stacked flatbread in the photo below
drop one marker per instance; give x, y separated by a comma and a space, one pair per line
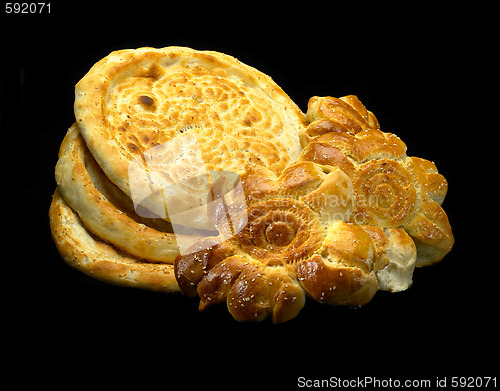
188, 170
153, 128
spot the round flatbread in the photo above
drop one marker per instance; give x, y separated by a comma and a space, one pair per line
108, 213
83, 251
154, 119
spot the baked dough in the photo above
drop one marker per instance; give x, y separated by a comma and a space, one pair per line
107, 212
322, 205
296, 241
391, 189
85, 252
345, 114
154, 118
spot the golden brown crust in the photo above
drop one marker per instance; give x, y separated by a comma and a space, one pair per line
106, 211
252, 291
296, 241
391, 189
336, 285
347, 216
345, 115
385, 193
135, 100
364, 146
428, 178
431, 232
84, 252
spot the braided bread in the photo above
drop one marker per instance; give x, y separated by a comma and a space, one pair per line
391, 189
295, 239
322, 205
346, 114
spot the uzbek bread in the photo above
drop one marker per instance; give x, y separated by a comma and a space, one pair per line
158, 117
107, 212
296, 241
88, 254
391, 189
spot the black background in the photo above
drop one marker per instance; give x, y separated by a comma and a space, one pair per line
412, 66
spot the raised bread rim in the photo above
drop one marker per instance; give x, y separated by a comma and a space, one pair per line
80, 250
99, 215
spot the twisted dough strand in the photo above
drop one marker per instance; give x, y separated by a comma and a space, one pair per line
391, 189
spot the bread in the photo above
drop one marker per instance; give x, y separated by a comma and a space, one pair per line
391, 189
280, 205
345, 114
296, 241
86, 253
153, 118
107, 212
